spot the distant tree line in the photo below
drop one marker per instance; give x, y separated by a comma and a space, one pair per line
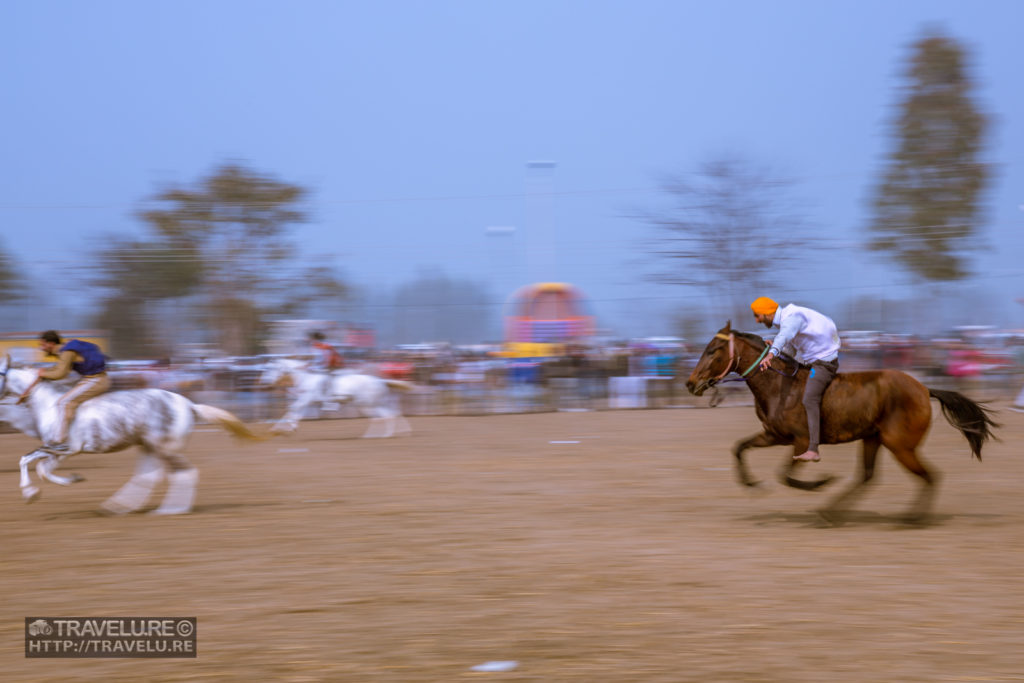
222, 250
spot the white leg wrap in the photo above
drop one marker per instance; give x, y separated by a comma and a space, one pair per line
29, 491
373, 429
403, 425
136, 492
181, 492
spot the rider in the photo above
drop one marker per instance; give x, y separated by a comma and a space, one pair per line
325, 357
88, 361
815, 340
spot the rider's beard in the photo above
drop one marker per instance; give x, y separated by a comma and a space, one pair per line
767, 323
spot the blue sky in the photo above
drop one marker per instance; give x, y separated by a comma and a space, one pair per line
413, 123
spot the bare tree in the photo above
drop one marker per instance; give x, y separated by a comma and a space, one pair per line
729, 226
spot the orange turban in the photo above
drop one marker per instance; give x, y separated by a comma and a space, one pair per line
764, 306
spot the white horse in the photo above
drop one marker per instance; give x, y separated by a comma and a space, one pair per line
157, 421
370, 395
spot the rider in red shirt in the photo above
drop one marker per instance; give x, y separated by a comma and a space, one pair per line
327, 357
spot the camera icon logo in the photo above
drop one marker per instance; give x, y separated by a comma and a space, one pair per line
40, 627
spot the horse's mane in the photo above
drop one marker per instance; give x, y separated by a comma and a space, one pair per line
755, 339
758, 342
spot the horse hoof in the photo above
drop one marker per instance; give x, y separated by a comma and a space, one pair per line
75, 478
31, 493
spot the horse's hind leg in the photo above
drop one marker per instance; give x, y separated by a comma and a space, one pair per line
181, 486
149, 470
382, 423
835, 510
401, 424
922, 506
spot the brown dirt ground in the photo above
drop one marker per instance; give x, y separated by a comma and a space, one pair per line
630, 556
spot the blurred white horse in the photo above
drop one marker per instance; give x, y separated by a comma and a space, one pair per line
371, 395
157, 421
18, 416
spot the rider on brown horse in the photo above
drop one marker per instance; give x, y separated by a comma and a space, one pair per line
815, 340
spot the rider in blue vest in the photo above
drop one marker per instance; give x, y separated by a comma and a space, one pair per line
88, 361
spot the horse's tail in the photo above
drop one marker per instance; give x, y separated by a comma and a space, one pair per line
399, 384
972, 419
225, 420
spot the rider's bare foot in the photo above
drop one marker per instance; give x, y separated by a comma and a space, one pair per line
809, 456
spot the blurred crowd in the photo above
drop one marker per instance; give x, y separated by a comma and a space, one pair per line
640, 373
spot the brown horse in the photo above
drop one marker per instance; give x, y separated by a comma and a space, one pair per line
881, 408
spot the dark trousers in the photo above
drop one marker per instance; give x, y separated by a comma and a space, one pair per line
822, 372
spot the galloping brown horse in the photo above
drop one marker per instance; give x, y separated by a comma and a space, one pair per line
881, 408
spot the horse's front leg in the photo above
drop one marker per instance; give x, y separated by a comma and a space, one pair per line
29, 491
759, 440
786, 472
46, 466
289, 422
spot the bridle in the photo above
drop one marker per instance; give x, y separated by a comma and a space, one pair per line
734, 361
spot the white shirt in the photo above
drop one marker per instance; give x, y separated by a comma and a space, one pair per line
805, 334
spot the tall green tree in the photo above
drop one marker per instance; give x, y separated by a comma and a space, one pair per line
927, 209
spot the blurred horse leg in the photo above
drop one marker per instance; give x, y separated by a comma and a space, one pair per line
759, 440
902, 432
835, 510
921, 507
149, 471
182, 478
289, 422
382, 422
46, 466
29, 491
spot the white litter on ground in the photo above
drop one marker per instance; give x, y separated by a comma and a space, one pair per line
563, 441
495, 666
293, 450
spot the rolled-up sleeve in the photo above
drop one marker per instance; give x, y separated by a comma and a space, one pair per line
62, 368
788, 329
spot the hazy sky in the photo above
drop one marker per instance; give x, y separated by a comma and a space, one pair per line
413, 123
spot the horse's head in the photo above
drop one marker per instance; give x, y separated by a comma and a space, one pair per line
717, 361
14, 380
